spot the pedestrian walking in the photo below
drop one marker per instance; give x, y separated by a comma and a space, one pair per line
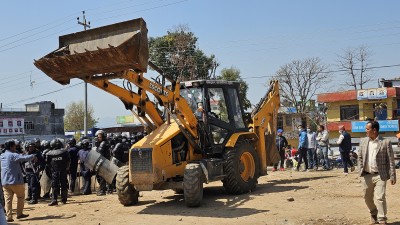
281, 144
376, 167
12, 179
323, 142
302, 148
344, 143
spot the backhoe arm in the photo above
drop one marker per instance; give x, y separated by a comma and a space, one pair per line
264, 118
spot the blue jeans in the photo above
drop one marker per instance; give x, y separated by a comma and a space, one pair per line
312, 158
325, 158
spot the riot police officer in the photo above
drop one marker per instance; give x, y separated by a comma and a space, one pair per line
85, 171
73, 154
103, 147
59, 162
45, 180
120, 152
32, 170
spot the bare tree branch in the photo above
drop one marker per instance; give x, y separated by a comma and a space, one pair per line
355, 63
300, 80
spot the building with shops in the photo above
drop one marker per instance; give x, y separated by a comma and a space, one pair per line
37, 120
353, 108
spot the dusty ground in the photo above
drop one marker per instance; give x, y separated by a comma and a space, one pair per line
322, 197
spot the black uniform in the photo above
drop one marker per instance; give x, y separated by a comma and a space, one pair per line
85, 171
73, 169
59, 162
103, 148
121, 154
32, 170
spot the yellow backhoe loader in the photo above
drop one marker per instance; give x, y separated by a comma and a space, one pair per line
199, 130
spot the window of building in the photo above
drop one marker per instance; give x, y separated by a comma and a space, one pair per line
288, 120
280, 122
349, 112
28, 125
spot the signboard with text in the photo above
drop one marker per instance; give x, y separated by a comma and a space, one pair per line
11, 126
125, 119
384, 126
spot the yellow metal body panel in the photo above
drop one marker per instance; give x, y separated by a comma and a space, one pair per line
233, 139
162, 163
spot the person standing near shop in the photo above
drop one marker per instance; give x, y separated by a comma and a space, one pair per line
323, 142
302, 148
344, 143
281, 144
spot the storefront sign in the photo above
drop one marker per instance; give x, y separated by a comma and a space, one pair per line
11, 126
384, 125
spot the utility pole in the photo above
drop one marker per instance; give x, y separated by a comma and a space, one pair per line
85, 25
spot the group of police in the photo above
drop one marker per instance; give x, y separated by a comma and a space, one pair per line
55, 162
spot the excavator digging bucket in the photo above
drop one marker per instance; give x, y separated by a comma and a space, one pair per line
112, 48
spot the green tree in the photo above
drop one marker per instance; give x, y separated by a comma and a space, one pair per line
74, 116
233, 74
178, 55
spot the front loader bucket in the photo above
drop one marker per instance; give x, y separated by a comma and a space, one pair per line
112, 48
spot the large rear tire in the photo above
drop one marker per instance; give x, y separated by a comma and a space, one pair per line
242, 169
127, 194
193, 185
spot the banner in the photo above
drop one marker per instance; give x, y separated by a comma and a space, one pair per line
372, 93
125, 119
11, 126
384, 125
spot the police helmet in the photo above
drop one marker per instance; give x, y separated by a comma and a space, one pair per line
85, 143
45, 144
71, 142
101, 132
56, 144
32, 143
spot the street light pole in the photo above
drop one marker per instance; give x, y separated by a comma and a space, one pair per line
85, 25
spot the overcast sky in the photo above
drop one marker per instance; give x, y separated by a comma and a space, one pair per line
255, 36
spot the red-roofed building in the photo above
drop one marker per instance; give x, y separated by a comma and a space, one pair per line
346, 107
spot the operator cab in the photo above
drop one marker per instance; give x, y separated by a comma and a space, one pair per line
218, 108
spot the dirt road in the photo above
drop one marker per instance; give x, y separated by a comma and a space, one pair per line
321, 197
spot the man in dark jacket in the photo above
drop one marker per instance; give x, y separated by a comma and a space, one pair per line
281, 144
73, 169
59, 162
344, 142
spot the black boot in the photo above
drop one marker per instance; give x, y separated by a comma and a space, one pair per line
52, 203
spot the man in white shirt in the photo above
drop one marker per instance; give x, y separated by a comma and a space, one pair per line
376, 164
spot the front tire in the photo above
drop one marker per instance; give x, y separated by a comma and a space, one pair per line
193, 185
127, 194
241, 169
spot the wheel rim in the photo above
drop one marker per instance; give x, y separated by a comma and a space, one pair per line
247, 166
